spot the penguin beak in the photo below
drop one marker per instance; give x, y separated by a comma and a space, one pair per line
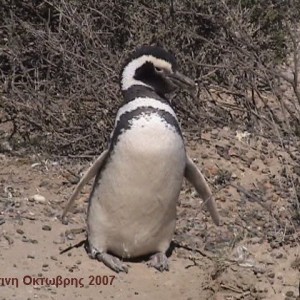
182, 81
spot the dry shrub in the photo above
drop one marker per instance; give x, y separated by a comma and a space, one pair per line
60, 63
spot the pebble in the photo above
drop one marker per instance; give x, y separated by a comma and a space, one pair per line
289, 294
277, 254
30, 256
2, 221
20, 231
45, 267
215, 132
25, 239
274, 244
9, 239
60, 239
70, 235
46, 227
271, 275
77, 230
259, 270
37, 198
262, 157
256, 240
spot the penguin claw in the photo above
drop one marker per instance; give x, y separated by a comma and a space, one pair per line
159, 261
112, 262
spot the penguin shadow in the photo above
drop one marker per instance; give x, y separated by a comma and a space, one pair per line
145, 258
139, 259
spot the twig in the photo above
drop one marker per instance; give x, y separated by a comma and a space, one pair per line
202, 252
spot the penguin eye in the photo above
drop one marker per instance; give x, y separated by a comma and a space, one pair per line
159, 70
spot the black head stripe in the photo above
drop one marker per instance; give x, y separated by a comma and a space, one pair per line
155, 51
126, 120
137, 91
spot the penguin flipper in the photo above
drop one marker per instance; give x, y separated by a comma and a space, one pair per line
195, 177
91, 172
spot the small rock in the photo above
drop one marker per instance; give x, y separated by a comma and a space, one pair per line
297, 170
77, 230
289, 294
30, 256
60, 240
30, 217
278, 255
214, 132
256, 240
274, 244
45, 267
5, 147
46, 227
20, 231
70, 235
204, 155
259, 269
271, 275
53, 258
2, 221
37, 198
262, 157
9, 239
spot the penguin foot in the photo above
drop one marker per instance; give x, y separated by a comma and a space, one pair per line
159, 261
112, 262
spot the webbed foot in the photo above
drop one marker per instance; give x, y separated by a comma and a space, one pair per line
112, 262
159, 261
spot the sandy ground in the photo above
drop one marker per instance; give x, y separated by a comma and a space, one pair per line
255, 254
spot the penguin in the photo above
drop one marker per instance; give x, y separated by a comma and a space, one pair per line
132, 206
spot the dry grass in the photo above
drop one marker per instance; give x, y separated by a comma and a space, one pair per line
60, 62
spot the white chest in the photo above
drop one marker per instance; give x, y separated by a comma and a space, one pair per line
134, 203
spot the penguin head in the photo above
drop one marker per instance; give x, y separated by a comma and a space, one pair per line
153, 67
